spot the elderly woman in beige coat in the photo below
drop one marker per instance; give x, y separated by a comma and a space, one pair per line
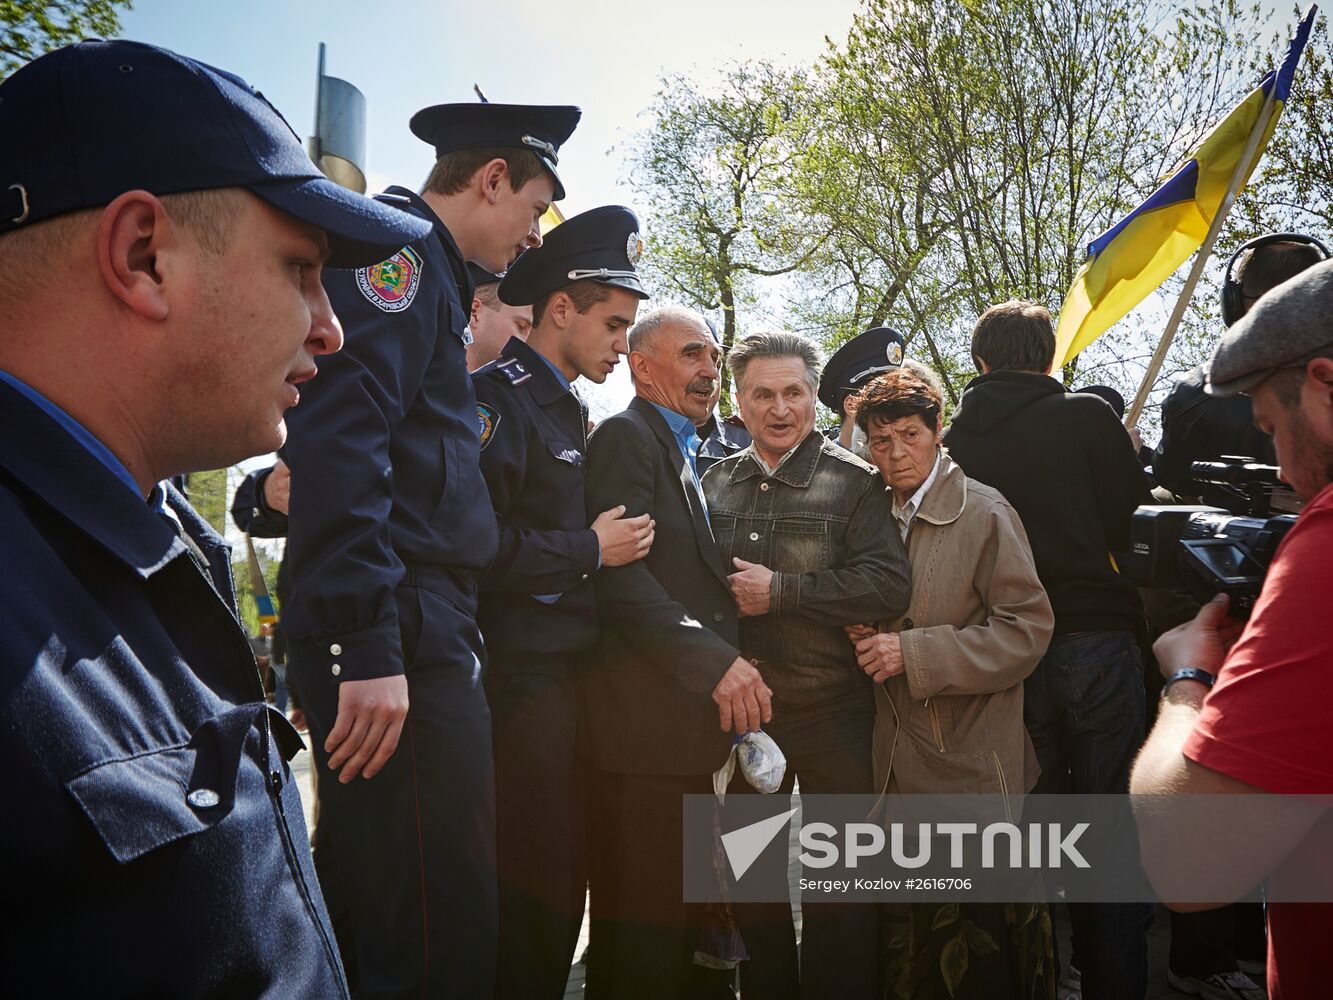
950, 670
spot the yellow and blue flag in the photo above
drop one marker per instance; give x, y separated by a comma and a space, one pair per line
1132, 258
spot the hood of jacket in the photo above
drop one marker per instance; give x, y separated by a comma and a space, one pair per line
991, 400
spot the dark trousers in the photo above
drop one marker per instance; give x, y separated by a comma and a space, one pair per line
540, 824
414, 846
643, 932
1207, 942
828, 750
1084, 710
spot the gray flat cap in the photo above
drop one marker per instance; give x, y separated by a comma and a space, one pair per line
1287, 327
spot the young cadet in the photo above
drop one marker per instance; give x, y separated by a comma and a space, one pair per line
162, 233
491, 321
390, 528
538, 612
850, 369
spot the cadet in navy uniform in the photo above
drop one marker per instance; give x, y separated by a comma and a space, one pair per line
390, 529
538, 612
162, 234
852, 366
491, 321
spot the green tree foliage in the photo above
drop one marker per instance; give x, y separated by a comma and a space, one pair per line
944, 157
714, 170
30, 27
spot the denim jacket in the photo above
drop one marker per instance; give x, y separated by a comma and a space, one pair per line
823, 523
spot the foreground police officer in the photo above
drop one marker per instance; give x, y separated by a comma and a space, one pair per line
538, 611
390, 528
162, 234
852, 366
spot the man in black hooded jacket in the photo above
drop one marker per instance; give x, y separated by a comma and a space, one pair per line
1067, 466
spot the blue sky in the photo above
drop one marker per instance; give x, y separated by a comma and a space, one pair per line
604, 56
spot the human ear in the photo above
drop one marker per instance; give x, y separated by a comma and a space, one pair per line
494, 174
135, 237
1320, 373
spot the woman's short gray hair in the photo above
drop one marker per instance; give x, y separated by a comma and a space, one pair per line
775, 345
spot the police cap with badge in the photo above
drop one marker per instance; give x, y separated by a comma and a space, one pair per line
601, 245
857, 362
86, 123
539, 128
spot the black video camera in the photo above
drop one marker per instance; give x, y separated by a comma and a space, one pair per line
1211, 550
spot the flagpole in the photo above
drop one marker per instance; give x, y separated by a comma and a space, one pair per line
1201, 258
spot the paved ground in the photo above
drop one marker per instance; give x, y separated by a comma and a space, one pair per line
1158, 936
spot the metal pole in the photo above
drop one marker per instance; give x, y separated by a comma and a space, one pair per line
317, 149
1201, 258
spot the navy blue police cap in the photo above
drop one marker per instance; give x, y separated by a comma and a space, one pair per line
82, 125
481, 276
858, 361
602, 245
539, 128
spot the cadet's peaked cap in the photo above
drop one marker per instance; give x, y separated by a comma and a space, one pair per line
1287, 327
602, 244
82, 125
481, 276
856, 362
539, 128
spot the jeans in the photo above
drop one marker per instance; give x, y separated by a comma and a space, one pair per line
1084, 708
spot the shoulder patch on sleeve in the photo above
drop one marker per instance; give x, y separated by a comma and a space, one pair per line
391, 285
488, 418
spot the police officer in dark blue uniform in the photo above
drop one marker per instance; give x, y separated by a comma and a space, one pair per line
390, 529
162, 234
538, 612
853, 365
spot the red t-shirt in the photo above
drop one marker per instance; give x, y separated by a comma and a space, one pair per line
1269, 723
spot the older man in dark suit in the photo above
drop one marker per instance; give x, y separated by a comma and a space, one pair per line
671, 683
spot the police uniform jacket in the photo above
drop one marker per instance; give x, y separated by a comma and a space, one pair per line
386, 488
537, 595
670, 625
153, 837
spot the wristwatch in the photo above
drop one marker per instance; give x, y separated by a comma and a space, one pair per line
1189, 674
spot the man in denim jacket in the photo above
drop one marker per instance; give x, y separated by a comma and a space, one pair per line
808, 528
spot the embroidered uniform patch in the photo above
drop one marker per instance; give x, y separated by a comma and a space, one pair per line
487, 421
391, 285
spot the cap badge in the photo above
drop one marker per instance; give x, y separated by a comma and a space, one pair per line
894, 353
391, 285
634, 248
541, 146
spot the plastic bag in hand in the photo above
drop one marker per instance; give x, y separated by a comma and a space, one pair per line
761, 762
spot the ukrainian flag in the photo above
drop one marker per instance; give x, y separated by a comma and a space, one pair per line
1138, 253
551, 218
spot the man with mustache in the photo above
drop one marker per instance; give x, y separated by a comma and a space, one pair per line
391, 528
670, 684
537, 611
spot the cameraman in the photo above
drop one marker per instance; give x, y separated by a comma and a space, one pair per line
1200, 427
1266, 726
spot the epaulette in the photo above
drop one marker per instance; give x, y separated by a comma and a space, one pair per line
513, 369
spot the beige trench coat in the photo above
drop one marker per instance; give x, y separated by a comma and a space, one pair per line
978, 622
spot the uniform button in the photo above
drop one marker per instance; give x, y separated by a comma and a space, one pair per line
336, 669
718, 616
336, 650
908, 624
203, 798
764, 487
754, 536
584, 577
